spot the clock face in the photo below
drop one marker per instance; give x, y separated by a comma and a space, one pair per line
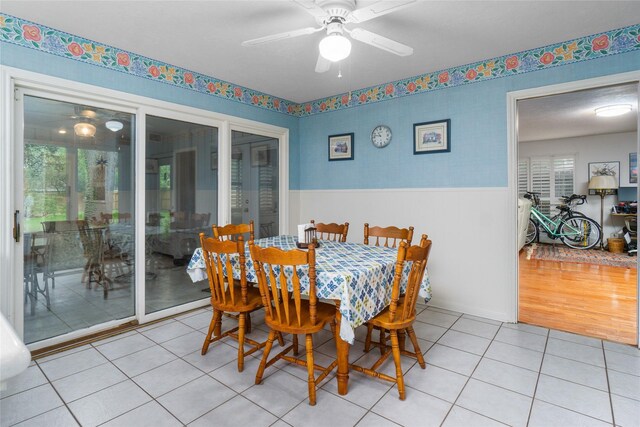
381, 136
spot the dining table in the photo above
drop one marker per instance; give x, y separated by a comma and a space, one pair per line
357, 277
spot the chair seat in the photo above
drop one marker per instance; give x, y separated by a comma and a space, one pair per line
383, 320
254, 300
325, 313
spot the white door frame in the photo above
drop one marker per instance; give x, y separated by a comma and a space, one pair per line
11, 252
512, 148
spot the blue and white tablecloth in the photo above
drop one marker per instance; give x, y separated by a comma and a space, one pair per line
357, 275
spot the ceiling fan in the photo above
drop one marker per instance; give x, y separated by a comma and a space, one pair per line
333, 15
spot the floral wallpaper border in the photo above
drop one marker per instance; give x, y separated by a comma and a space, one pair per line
28, 34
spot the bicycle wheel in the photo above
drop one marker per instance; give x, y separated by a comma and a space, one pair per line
580, 233
532, 232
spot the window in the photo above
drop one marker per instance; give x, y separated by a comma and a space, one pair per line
551, 176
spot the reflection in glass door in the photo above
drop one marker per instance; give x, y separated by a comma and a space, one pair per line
255, 182
78, 217
181, 201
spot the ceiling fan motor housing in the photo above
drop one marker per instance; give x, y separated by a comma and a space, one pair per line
338, 10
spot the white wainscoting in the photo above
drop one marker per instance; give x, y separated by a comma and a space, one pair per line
473, 231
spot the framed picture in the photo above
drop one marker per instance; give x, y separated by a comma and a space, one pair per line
432, 137
151, 166
260, 155
633, 168
341, 147
214, 160
604, 168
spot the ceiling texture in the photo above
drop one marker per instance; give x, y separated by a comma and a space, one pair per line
206, 36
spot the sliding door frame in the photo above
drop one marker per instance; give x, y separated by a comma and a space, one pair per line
11, 298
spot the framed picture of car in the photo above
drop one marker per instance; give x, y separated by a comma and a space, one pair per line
341, 147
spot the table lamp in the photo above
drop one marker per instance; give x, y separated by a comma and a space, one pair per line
603, 185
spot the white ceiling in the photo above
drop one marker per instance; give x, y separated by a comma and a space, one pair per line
573, 114
205, 36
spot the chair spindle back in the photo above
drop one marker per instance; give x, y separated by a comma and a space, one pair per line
233, 231
418, 256
332, 231
387, 236
276, 268
217, 257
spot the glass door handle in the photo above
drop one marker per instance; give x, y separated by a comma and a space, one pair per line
16, 226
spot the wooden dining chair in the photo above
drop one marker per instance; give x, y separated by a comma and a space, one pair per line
233, 231
279, 277
387, 236
332, 231
229, 295
400, 314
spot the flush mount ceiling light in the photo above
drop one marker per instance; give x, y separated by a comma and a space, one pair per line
613, 110
62, 131
84, 129
114, 125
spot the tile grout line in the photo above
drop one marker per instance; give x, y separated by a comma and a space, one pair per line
606, 371
469, 378
535, 389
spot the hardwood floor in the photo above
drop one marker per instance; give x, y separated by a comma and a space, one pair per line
587, 299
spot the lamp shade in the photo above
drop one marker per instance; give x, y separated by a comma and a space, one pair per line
335, 47
603, 182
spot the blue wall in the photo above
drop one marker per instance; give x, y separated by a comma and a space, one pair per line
32, 60
478, 156
478, 114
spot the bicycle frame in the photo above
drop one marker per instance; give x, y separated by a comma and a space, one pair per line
545, 221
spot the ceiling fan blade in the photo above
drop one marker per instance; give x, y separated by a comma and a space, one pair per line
281, 36
313, 9
378, 9
381, 42
323, 65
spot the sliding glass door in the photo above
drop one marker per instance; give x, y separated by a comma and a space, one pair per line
181, 202
78, 217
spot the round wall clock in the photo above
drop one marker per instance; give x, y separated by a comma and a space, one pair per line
381, 136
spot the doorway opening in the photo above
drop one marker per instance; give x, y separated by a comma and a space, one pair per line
564, 148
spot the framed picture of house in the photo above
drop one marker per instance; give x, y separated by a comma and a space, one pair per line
633, 168
432, 137
151, 166
260, 155
341, 147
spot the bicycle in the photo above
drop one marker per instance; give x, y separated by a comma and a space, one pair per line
573, 228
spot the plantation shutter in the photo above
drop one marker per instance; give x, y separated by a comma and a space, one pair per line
541, 182
236, 182
563, 171
523, 176
552, 177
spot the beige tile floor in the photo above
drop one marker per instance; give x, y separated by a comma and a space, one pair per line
479, 373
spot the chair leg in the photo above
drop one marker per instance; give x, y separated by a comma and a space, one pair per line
241, 327
383, 341
295, 344
311, 380
217, 329
367, 342
207, 340
416, 347
395, 349
401, 339
265, 356
280, 339
248, 323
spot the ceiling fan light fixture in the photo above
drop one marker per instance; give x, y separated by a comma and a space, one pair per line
84, 129
114, 125
613, 110
335, 47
